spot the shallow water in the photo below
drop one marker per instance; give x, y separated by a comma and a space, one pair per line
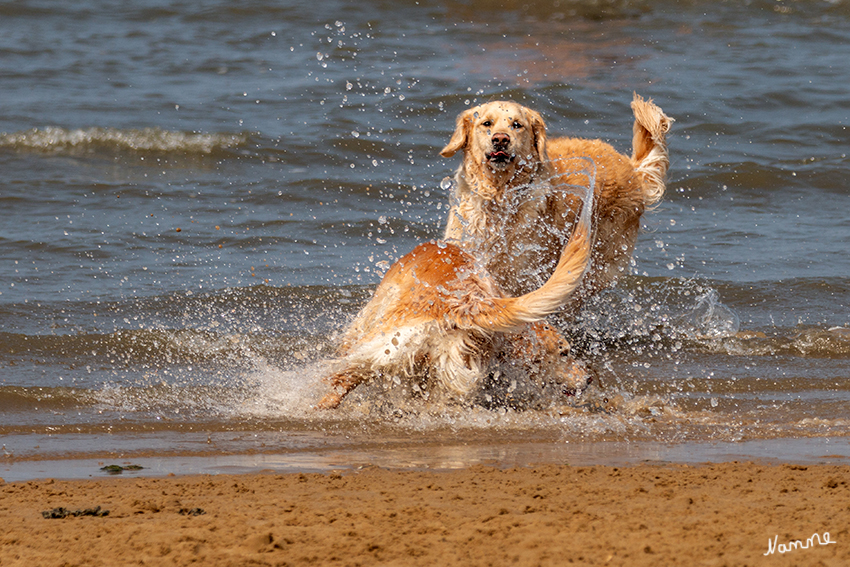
198, 197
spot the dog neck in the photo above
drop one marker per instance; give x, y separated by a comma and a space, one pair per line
482, 219
494, 184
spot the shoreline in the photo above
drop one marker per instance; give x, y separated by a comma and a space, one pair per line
642, 514
430, 456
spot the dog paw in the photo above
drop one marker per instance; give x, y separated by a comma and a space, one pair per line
575, 378
330, 401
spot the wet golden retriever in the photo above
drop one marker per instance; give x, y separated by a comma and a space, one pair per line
513, 206
438, 317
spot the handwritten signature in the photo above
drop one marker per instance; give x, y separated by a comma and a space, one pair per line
797, 544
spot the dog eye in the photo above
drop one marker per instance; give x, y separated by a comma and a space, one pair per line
516, 125
487, 123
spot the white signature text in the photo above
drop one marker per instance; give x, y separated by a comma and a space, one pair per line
797, 544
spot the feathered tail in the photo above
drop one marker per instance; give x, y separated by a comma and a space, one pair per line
508, 313
649, 147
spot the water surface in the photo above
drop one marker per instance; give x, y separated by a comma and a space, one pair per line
197, 197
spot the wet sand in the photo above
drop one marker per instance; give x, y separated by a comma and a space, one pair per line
672, 514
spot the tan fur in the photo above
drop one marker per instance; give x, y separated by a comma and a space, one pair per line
516, 216
437, 314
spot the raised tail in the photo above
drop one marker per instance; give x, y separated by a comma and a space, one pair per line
649, 147
508, 313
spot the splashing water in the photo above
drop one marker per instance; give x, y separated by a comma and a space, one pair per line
709, 318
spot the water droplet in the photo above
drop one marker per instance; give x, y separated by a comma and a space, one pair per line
382, 219
446, 183
355, 133
319, 56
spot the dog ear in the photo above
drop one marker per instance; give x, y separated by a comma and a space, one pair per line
461, 134
538, 129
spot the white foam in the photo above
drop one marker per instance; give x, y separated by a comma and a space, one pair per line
144, 139
286, 393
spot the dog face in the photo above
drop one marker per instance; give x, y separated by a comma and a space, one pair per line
503, 141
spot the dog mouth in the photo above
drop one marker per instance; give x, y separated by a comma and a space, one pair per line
499, 156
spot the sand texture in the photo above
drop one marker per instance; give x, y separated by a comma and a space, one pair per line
714, 514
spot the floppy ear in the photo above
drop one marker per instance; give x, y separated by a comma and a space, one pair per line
538, 129
461, 134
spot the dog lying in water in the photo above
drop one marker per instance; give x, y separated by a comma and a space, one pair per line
508, 212
438, 315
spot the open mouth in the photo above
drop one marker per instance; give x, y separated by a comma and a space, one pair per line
499, 156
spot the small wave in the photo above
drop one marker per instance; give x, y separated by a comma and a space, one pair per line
28, 399
162, 348
55, 139
805, 343
175, 400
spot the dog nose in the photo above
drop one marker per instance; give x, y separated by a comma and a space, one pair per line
500, 139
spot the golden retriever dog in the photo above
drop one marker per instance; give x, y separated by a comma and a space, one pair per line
511, 210
438, 316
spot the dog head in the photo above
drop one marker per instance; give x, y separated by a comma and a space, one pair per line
503, 143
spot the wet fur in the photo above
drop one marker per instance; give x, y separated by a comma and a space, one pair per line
515, 216
437, 315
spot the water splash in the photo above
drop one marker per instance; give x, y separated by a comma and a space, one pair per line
641, 310
709, 318
290, 393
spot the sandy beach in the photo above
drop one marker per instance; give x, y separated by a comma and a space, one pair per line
713, 514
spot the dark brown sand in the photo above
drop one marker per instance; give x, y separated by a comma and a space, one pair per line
714, 514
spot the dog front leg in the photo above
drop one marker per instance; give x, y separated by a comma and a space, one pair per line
341, 383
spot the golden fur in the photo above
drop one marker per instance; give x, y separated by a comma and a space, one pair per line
437, 315
513, 205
